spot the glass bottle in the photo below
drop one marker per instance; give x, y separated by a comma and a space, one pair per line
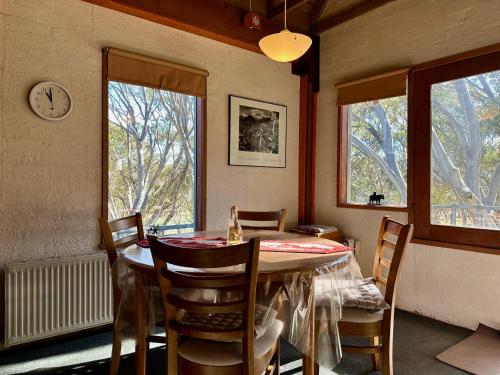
234, 231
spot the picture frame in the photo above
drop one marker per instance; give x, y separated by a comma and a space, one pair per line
257, 133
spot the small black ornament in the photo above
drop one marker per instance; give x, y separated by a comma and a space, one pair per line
154, 229
376, 198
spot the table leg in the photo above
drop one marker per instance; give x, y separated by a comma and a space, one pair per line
309, 366
140, 326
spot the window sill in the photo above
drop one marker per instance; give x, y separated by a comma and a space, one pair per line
373, 207
456, 246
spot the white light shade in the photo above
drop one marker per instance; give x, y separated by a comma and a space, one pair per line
285, 46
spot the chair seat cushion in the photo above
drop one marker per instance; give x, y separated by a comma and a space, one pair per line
217, 353
362, 293
264, 317
355, 315
365, 295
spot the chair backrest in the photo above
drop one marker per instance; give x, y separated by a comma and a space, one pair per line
392, 237
124, 223
108, 228
278, 216
167, 257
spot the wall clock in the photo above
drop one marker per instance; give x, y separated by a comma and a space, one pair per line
50, 101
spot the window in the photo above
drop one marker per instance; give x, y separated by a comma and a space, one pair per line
377, 150
457, 152
153, 142
373, 141
151, 156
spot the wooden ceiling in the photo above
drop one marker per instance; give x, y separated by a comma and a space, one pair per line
311, 16
222, 20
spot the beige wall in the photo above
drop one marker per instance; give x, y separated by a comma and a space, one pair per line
450, 285
51, 171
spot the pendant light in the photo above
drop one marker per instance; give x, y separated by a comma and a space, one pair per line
285, 46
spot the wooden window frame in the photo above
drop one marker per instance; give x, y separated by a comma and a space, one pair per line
421, 78
451, 67
342, 162
201, 152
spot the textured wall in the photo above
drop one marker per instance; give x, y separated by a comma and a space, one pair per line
451, 285
51, 171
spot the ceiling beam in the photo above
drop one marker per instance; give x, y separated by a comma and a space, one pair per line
348, 14
317, 10
214, 19
269, 4
278, 10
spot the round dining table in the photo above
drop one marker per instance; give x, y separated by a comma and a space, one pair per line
274, 264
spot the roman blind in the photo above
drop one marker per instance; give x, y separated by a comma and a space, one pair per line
133, 68
380, 86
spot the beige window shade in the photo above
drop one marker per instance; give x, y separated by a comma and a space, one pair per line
137, 69
381, 86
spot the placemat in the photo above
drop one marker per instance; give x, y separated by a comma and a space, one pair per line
199, 242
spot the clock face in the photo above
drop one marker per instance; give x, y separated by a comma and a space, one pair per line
50, 101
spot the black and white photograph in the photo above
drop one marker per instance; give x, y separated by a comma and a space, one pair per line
257, 133
259, 130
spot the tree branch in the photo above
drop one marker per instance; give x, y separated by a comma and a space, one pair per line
450, 174
455, 125
493, 187
473, 170
396, 179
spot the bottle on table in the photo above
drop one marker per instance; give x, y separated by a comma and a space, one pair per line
234, 231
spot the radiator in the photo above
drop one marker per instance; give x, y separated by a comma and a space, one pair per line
356, 245
56, 296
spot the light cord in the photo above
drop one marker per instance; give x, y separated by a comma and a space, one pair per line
285, 14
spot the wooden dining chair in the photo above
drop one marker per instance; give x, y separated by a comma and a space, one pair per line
112, 245
255, 216
216, 337
378, 325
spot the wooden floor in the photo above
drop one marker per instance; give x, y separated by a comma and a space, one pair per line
417, 341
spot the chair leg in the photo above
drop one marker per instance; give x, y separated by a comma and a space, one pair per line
376, 356
277, 360
148, 346
117, 347
387, 354
387, 337
316, 369
273, 368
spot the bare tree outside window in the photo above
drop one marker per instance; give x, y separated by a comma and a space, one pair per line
378, 151
152, 155
466, 152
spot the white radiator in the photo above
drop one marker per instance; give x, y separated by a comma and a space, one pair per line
56, 296
356, 245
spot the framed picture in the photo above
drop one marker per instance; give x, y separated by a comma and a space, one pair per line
257, 133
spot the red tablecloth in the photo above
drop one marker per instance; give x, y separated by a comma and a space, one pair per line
288, 246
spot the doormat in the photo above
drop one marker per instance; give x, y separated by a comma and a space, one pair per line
479, 354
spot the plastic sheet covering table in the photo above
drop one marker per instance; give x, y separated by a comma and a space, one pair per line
289, 283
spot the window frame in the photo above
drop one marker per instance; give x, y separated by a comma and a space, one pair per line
200, 147
342, 167
469, 239
421, 78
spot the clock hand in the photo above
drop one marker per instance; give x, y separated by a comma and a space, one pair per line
49, 95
